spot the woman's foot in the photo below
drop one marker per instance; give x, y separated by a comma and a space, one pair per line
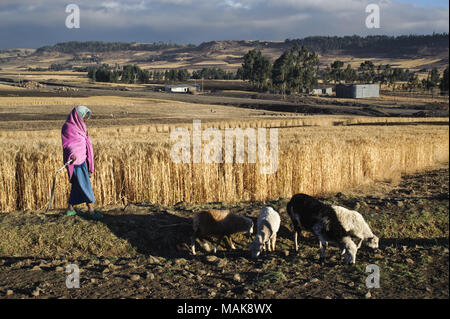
71, 212
92, 213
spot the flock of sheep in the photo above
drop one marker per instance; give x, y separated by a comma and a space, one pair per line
326, 222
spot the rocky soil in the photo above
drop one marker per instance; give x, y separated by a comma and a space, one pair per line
141, 251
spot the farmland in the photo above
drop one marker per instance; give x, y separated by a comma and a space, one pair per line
385, 157
317, 154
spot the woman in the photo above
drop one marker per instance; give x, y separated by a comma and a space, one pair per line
77, 146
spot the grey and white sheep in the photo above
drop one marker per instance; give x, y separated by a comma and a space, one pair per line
329, 223
219, 224
354, 223
268, 225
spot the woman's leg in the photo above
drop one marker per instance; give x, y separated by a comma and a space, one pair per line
90, 207
81, 188
81, 191
94, 214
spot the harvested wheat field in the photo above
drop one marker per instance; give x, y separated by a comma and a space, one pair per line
141, 247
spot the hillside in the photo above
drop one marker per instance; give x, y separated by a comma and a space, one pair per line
415, 52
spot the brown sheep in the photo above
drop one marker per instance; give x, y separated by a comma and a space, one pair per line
219, 224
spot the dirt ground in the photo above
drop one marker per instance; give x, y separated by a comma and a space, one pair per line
141, 251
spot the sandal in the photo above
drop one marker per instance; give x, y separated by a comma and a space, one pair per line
71, 212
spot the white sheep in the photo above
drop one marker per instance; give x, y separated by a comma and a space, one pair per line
219, 224
354, 224
268, 225
329, 223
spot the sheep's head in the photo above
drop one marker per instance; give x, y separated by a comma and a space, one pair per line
373, 242
255, 248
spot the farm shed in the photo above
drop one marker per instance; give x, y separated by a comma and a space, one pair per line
320, 90
188, 88
357, 91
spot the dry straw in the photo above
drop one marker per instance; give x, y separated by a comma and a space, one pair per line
133, 164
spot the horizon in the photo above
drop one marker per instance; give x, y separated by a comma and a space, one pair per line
25, 24
234, 40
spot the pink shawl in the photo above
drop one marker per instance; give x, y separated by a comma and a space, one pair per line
76, 142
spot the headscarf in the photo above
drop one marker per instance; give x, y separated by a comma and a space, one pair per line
76, 142
83, 110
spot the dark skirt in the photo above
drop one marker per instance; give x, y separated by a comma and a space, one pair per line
81, 191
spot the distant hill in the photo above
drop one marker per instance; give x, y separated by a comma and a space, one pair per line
378, 44
353, 45
415, 52
100, 46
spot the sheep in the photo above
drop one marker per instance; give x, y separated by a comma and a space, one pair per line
220, 224
356, 226
268, 225
329, 223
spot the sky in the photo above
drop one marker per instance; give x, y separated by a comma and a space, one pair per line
35, 23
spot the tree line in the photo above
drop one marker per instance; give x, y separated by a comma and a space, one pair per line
295, 70
134, 74
404, 44
368, 72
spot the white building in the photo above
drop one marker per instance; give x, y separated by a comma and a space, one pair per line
321, 91
182, 88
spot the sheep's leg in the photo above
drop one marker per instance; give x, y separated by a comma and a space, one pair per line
343, 249
351, 250
217, 243
274, 240
317, 230
206, 246
193, 245
360, 243
297, 233
296, 239
194, 237
323, 247
230, 241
